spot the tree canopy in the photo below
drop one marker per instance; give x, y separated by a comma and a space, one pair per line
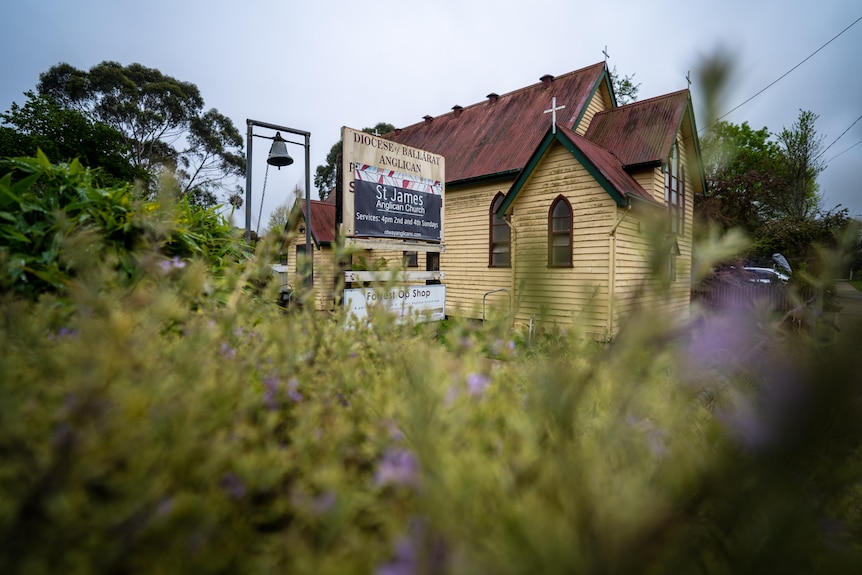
766, 184
65, 133
625, 90
326, 175
151, 122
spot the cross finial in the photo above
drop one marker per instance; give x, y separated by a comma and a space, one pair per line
553, 112
605, 52
688, 79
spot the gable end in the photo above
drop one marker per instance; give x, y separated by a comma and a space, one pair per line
550, 138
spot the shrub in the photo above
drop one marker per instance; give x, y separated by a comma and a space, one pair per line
139, 434
56, 223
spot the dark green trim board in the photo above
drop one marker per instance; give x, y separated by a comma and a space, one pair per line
543, 147
690, 111
486, 179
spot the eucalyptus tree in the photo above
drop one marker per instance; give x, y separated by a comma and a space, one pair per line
64, 134
161, 119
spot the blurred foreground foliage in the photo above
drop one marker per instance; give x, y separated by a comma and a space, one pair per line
143, 432
57, 223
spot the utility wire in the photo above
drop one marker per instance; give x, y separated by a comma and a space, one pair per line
789, 71
845, 151
839, 137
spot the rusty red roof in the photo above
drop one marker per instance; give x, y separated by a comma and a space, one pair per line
609, 166
641, 132
601, 163
499, 135
322, 220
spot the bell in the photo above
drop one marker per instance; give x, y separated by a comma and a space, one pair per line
278, 155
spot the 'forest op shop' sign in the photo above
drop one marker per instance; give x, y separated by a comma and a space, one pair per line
391, 190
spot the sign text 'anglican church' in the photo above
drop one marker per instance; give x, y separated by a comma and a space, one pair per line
393, 191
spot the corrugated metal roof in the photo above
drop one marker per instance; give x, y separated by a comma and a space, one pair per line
322, 221
609, 166
641, 132
500, 134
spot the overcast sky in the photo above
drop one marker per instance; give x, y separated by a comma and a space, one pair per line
319, 65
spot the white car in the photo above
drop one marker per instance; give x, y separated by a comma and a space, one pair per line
766, 275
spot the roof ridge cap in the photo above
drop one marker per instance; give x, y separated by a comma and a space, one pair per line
506, 94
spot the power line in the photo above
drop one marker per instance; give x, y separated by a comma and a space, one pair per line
839, 137
789, 71
845, 151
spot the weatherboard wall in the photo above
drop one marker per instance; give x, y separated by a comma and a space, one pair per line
465, 262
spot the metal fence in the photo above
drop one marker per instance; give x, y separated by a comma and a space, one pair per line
775, 296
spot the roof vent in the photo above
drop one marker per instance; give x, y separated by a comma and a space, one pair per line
492, 97
397, 131
427, 118
457, 109
546, 80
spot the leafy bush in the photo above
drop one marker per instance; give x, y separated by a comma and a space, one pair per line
56, 223
252, 441
142, 434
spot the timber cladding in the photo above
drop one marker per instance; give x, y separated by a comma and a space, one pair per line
563, 295
465, 261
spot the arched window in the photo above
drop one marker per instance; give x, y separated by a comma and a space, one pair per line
499, 236
560, 233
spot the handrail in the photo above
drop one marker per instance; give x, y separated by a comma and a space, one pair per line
486, 294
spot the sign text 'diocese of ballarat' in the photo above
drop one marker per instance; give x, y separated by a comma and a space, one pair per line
392, 191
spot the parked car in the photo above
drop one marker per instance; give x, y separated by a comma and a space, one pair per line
766, 275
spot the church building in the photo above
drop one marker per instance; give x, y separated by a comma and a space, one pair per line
562, 207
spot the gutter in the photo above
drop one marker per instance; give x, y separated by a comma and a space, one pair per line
612, 270
512, 260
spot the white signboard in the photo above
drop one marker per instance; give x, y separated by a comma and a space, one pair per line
391, 191
417, 303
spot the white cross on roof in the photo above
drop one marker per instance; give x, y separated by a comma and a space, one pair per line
553, 112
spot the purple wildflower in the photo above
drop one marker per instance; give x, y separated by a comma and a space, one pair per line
395, 432
451, 395
398, 467
405, 560
174, 263
292, 392
746, 425
271, 387
273, 391
477, 383
164, 507
63, 437
64, 332
227, 351
655, 437
323, 503
419, 550
233, 486
726, 343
